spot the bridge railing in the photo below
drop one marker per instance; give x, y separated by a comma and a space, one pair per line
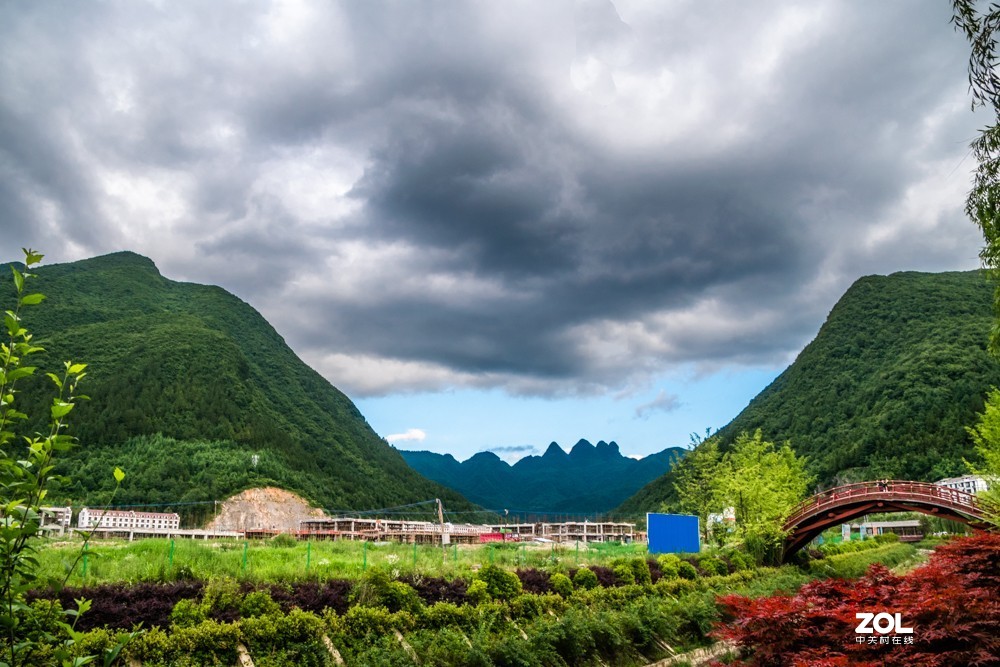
887, 490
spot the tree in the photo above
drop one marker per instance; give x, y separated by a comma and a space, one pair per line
986, 437
761, 483
695, 481
983, 201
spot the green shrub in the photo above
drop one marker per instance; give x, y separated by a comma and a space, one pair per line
443, 615
153, 647
887, 538
686, 570
740, 560
640, 568
562, 585
208, 643
368, 622
553, 603
500, 583
377, 651
726, 582
292, 639
283, 540
187, 613
623, 574
585, 578
221, 595
508, 651
571, 637
446, 648
377, 589
489, 616
477, 593
713, 566
675, 587
525, 606
669, 564
853, 565
698, 613
258, 603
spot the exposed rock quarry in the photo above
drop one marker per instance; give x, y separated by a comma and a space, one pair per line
269, 508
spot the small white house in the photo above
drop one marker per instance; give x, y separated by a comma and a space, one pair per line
968, 483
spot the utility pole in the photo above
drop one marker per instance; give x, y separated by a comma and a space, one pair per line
444, 538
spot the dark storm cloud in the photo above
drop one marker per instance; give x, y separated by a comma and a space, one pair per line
544, 197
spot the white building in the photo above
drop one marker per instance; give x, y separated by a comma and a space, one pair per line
60, 518
90, 518
968, 483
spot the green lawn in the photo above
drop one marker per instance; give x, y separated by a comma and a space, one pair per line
283, 560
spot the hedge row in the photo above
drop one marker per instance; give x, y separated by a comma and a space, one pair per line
628, 625
121, 606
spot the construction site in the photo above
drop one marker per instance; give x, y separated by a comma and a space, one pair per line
263, 513
426, 532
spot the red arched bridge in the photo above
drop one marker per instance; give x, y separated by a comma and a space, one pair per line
843, 503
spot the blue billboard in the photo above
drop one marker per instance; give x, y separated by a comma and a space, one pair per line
672, 533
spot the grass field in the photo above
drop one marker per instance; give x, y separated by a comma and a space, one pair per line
286, 560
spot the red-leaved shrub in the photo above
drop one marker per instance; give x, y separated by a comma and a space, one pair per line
534, 580
952, 603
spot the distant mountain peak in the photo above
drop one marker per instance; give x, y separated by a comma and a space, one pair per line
485, 456
604, 450
608, 448
554, 450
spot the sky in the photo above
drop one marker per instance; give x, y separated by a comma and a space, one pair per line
495, 225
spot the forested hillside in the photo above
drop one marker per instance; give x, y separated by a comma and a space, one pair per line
588, 479
196, 396
887, 387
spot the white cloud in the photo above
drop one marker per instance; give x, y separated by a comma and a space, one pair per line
664, 402
414, 434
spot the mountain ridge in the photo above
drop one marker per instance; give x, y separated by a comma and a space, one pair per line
587, 479
187, 382
886, 389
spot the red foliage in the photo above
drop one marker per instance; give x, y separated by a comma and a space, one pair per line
952, 603
534, 580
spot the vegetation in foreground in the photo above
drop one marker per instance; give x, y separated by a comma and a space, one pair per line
629, 611
950, 603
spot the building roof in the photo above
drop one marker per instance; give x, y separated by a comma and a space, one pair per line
910, 523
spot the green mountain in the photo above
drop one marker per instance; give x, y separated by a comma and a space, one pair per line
197, 397
885, 390
589, 479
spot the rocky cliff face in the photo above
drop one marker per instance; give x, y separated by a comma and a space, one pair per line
268, 508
